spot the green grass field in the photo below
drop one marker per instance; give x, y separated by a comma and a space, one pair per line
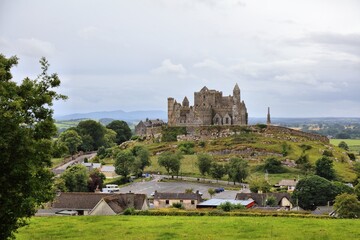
354, 144
175, 227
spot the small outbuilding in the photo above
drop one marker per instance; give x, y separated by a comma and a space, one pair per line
165, 199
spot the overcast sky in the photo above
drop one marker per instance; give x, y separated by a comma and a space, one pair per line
301, 58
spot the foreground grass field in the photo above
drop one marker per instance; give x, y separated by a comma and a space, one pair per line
170, 227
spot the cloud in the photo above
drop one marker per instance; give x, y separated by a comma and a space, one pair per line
167, 67
88, 32
33, 47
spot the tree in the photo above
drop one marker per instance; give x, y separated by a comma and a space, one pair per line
211, 192
238, 169
26, 130
58, 149
217, 171
313, 191
142, 159
96, 180
71, 139
347, 206
357, 190
304, 164
76, 178
343, 145
272, 165
271, 201
124, 161
109, 138
93, 129
123, 132
324, 168
204, 163
171, 162
257, 184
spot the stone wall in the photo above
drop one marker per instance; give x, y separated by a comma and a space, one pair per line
310, 136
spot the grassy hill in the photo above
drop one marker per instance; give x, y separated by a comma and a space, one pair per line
255, 145
176, 227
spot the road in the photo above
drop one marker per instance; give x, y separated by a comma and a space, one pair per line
77, 160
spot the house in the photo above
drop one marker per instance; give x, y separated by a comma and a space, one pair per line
214, 203
149, 127
288, 184
282, 200
188, 200
82, 202
116, 204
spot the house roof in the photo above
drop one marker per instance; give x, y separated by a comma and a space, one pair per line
119, 202
260, 198
183, 196
77, 200
288, 182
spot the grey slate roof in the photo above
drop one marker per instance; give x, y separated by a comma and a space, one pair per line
119, 202
78, 200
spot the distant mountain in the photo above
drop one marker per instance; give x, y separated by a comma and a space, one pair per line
133, 116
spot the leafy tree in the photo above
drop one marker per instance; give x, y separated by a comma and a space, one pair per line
304, 164
87, 143
59, 149
76, 178
124, 163
340, 188
272, 165
343, 145
171, 162
347, 206
93, 129
96, 180
204, 162
101, 152
327, 153
123, 132
71, 139
259, 184
26, 130
313, 191
142, 159
109, 138
324, 168
217, 171
271, 201
211, 192
238, 169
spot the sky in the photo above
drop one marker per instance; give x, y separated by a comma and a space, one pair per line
301, 58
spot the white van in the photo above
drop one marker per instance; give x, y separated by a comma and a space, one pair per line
111, 188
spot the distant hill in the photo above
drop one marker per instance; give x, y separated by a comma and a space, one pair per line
134, 116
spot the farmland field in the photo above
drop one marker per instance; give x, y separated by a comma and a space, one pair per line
176, 227
354, 144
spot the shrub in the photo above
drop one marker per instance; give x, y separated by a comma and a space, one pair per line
327, 153
129, 211
202, 144
305, 147
351, 156
186, 147
273, 165
178, 205
169, 134
227, 206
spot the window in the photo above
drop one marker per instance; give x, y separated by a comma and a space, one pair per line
192, 202
226, 120
167, 202
181, 200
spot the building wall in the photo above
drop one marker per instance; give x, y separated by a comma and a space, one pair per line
161, 203
285, 203
102, 208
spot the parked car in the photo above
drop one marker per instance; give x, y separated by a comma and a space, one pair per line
219, 190
111, 188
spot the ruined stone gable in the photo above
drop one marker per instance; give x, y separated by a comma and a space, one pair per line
210, 108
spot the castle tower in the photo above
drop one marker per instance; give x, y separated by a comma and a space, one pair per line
171, 120
185, 102
268, 121
236, 94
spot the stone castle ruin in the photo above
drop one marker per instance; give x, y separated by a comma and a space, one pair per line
210, 108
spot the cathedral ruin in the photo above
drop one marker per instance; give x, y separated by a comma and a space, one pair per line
210, 108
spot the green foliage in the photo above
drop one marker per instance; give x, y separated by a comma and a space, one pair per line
238, 169
217, 171
204, 162
93, 129
129, 211
71, 139
76, 178
305, 147
186, 148
142, 159
95, 159
351, 156
343, 145
59, 149
324, 168
109, 138
227, 206
178, 205
259, 184
328, 153
304, 164
285, 149
313, 191
171, 162
124, 161
271, 201
202, 144
347, 206
122, 130
26, 129
273, 165
211, 192
357, 190
169, 134
340, 188
101, 152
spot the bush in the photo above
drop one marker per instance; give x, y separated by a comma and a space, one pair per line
305, 147
227, 206
178, 205
351, 156
186, 147
129, 211
202, 144
169, 134
273, 165
327, 153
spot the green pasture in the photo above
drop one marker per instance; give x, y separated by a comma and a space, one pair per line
179, 227
354, 144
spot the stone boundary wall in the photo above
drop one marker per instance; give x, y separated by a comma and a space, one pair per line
285, 130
